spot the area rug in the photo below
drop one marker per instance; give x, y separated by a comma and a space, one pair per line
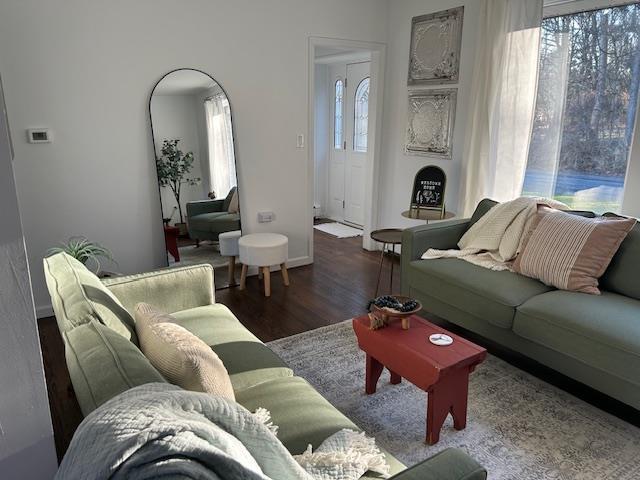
205, 253
339, 230
518, 427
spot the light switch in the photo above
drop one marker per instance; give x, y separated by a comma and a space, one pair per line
300, 141
265, 217
39, 135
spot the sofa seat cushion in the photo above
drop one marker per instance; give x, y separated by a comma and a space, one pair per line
602, 331
481, 292
204, 220
215, 222
246, 358
302, 415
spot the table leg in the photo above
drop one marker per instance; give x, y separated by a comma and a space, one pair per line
380, 270
449, 395
393, 254
374, 369
395, 378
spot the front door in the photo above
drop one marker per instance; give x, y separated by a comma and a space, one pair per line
349, 152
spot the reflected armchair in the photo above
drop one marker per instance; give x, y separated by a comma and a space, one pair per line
207, 219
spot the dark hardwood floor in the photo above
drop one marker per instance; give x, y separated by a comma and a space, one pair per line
336, 287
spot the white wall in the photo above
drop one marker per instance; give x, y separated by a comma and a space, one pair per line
398, 169
26, 436
176, 117
85, 68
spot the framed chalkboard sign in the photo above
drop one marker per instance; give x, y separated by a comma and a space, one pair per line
428, 191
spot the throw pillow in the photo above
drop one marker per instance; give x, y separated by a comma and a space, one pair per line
570, 252
180, 356
234, 204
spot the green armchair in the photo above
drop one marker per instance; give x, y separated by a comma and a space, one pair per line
207, 219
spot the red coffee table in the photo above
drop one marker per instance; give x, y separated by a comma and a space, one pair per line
171, 241
441, 371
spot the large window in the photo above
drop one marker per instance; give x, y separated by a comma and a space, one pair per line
337, 115
361, 116
586, 108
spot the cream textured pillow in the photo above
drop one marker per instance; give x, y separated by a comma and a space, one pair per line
180, 356
234, 203
570, 252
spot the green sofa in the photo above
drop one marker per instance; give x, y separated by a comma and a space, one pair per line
594, 339
104, 360
207, 219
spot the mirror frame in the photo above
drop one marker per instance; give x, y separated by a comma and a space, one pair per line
155, 153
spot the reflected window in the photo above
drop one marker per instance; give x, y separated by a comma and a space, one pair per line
337, 115
361, 116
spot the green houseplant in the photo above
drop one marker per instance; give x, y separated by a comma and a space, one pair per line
173, 166
84, 251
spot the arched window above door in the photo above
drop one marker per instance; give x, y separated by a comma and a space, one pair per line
361, 116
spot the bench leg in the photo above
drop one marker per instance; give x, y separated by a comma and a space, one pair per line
267, 281
449, 395
243, 277
285, 274
374, 369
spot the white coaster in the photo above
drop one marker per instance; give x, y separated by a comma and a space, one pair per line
440, 339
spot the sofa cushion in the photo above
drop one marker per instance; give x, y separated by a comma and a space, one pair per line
302, 415
601, 331
622, 275
484, 293
103, 364
78, 296
246, 358
204, 220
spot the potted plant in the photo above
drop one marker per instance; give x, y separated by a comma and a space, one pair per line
173, 166
84, 251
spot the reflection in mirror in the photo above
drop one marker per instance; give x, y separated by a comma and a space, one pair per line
195, 162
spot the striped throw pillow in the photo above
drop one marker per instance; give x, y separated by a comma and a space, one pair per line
568, 251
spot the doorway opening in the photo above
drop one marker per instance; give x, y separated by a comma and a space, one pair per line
345, 99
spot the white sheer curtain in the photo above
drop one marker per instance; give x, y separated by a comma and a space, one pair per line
222, 164
503, 96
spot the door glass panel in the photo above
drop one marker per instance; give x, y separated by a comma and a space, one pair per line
585, 108
361, 117
337, 115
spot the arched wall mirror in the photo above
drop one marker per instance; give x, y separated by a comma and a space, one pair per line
196, 167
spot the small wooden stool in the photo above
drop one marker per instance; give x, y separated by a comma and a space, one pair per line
229, 248
263, 250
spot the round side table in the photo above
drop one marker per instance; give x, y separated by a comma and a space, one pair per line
387, 236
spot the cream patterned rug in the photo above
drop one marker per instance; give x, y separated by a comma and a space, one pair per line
207, 252
339, 230
518, 427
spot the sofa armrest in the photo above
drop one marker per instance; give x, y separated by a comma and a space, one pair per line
417, 240
449, 464
170, 289
204, 206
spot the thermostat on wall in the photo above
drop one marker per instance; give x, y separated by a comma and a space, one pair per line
39, 135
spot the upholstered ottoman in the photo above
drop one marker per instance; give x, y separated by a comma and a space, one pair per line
263, 250
229, 248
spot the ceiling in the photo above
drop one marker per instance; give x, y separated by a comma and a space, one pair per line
184, 82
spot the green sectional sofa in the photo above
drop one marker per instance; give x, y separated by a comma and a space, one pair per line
207, 219
104, 360
594, 339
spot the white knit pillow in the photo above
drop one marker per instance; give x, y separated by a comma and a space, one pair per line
180, 356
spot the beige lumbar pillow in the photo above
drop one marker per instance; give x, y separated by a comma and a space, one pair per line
568, 251
234, 203
180, 356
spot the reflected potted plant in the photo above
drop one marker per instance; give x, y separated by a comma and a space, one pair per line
173, 167
85, 251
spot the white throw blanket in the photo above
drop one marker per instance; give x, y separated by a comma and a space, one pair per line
494, 241
159, 429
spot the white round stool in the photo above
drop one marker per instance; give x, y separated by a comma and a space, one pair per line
264, 250
229, 248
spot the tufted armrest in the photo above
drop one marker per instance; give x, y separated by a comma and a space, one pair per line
170, 289
449, 464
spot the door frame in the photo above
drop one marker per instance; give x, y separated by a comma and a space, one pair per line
374, 141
